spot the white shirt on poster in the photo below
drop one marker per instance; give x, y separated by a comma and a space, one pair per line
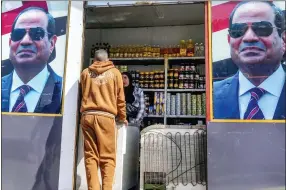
268, 102
31, 99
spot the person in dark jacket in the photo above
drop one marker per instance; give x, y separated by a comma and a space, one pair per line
134, 97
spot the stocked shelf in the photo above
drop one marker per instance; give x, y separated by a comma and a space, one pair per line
157, 116
153, 58
186, 116
185, 58
137, 59
153, 90
186, 90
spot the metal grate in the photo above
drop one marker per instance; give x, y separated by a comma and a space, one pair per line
174, 157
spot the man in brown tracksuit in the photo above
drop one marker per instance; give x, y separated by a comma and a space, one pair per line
102, 101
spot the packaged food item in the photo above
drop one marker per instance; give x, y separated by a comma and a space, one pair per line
170, 73
190, 48
173, 105
183, 49
162, 84
202, 49
189, 104
176, 84
178, 104
168, 102
199, 104
194, 104
171, 83
183, 104
151, 84
176, 74
204, 104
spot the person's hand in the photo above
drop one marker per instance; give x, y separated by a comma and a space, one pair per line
125, 123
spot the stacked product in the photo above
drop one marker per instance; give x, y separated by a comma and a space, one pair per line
187, 77
183, 49
186, 104
157, 108
151, 80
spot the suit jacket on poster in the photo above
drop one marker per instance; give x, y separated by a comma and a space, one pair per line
50, 99
226, 100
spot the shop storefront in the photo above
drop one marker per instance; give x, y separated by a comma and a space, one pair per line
177, 52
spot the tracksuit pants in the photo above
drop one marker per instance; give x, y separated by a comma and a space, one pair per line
100, 135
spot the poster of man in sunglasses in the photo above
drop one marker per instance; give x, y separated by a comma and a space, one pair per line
32, 74
250, 83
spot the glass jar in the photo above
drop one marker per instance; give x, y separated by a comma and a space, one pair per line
157, 84
151, 84
171, 83
146, 84
151, 76
186, 84
187, 75
162, 84
147, 76
141, 84
176, 83
161, 75
142, 76
176, 74
170, 74
181, 84
191, 84
181, 75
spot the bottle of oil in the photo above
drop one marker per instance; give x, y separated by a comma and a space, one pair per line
190, 48
183, 49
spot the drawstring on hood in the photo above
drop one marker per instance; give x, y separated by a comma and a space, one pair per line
100, 67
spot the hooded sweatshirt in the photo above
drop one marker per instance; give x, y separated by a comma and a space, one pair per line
102, 89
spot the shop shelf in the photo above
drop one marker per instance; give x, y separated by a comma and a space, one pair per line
184, 58
152, 90
186, 90
158, 116
185, 116
137, 58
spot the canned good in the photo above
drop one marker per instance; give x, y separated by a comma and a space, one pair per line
189, 104
178, 104
173, 105
194, 104
204, 104
183, 104
168, 102
199, 104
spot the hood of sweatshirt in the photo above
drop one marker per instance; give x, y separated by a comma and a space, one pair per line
101, 66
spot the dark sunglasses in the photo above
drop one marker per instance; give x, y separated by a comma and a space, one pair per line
261, 29
35, 34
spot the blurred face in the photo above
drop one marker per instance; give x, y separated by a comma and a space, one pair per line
255, 40
125, 80
29, 43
